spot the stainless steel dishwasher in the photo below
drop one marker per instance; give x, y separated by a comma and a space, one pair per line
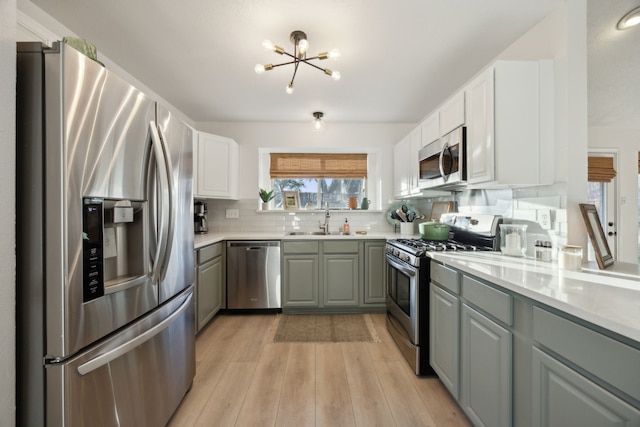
253, 275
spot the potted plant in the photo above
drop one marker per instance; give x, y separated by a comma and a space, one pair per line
266, 197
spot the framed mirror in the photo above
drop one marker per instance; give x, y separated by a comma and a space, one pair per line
596, 234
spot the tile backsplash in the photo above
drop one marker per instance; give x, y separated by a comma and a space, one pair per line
542, 208
251, 219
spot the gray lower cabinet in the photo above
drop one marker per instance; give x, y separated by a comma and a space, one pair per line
444, 337
486, 370
340, 273
525, 364
471, 344
343, 274
301, 260
564, 398
210, 282
374, 272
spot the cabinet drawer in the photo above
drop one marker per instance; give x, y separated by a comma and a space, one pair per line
306, 247
608, 359
492, 301
209, 252
445, 277
340, 247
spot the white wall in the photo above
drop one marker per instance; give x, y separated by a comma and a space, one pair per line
627, 144
7, 195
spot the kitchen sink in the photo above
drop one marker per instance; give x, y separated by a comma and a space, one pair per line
317, 233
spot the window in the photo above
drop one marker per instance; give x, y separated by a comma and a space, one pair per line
319, 178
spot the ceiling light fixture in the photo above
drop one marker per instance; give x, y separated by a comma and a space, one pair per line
301, 45
629, 20
318, 124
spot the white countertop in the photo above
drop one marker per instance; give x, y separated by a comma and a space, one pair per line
608, 298
201, 240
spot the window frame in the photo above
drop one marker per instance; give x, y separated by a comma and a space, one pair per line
374, 168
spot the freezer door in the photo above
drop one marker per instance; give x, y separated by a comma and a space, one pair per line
136, 378
177, 273
97, 133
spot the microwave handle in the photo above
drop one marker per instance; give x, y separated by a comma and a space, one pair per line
441, 159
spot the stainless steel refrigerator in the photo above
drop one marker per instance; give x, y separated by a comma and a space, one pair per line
105, 268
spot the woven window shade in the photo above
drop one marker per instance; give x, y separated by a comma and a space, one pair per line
310, 165
601, 169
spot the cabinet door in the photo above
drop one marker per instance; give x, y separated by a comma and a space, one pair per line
430, 129
486, 370
340, 280
452, 114
564, 398
209, 290
374, 276
400, 173
444, 337
413, 163
480, 132
300, 281
216, 172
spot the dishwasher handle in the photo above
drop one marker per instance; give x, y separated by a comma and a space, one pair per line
252, 245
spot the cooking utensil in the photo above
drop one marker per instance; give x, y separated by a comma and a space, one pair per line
396, 221
440, 208
401, 215
433, 230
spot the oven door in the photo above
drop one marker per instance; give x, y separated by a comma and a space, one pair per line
402, 296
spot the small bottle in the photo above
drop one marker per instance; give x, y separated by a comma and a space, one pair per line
546, 251
538, 250
345, 226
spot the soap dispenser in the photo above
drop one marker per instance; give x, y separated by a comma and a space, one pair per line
345, 226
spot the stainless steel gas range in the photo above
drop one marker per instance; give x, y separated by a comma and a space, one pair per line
408, 278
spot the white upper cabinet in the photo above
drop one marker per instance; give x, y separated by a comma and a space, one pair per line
414, 165
452, 113
406, 165
509, 119
216, 167
430, 128
400, 161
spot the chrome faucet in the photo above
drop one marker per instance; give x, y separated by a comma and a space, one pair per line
327, 215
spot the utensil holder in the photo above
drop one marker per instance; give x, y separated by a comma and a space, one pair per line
406, 229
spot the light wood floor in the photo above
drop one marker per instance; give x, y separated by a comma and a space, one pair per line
242, 380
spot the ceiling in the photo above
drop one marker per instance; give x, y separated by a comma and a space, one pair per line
613, 69
399, 60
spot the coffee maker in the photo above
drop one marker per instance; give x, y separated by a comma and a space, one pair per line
200, 217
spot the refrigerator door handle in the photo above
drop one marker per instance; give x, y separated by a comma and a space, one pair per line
164, 196
107, 357
172, 203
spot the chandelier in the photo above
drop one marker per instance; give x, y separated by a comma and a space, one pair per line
301, 45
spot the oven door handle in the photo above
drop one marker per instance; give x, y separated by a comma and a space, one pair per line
401, 266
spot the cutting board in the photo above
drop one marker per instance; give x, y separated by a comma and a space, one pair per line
440, 208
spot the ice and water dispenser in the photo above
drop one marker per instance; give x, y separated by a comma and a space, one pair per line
115, 247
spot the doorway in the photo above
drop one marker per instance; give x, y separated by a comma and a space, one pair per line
602, 192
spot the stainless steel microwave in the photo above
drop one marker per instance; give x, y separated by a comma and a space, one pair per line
443, 163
